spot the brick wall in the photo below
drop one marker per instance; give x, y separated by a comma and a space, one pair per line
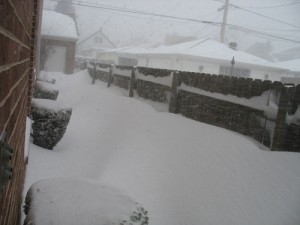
19, 23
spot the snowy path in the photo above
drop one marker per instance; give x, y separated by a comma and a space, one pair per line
182, 171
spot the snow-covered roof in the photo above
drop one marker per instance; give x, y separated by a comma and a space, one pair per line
128, 50
94, 34
58, 26
209, 50
293, 65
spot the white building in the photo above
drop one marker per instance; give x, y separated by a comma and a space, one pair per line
93, 44
209, 56
294, 67
126, 56
58, 41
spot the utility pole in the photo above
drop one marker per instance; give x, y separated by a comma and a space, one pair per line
223, 26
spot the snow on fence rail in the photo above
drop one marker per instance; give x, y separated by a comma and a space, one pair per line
259, 109
122, 76
154, 84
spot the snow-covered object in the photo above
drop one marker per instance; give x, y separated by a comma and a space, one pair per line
45, 90
66, 201
123, 72
46, 77
58, 26
52, 81
295, 118
103, 69
166, 80
50, 122
27, 137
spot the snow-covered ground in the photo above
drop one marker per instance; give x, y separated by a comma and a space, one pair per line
180, 170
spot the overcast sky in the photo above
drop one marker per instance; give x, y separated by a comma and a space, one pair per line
277, 18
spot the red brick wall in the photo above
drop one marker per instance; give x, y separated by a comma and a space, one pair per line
19, 22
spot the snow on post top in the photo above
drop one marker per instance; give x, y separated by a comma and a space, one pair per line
58, 26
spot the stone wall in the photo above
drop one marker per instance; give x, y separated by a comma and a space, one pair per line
153, 91
19, 25
102, 72
240, 87
256, 108
122, 76
238, 118
154, 84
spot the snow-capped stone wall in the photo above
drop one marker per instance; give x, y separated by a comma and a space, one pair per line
256, 108
122, 76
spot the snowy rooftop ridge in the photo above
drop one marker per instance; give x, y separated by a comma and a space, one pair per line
58, 26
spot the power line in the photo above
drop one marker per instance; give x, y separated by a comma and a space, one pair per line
270, 7
262, 33
119, 9
263, 28
98, 6
271, 18
258, 14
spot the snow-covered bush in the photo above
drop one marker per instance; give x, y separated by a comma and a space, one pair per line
50, 122
45, 90
138, 217
80, 202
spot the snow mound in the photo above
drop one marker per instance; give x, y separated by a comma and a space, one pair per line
49, 105
45, 90
80, 202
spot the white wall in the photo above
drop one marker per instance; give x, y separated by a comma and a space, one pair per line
155, 62
190, 65
194, 66
174, 63
56, 59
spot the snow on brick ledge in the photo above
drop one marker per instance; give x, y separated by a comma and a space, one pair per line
80, 202
45, 90
50, 122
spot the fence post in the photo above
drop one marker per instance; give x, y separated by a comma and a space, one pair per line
110, 75
132, 82
280, 130
174, 95
94, 74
